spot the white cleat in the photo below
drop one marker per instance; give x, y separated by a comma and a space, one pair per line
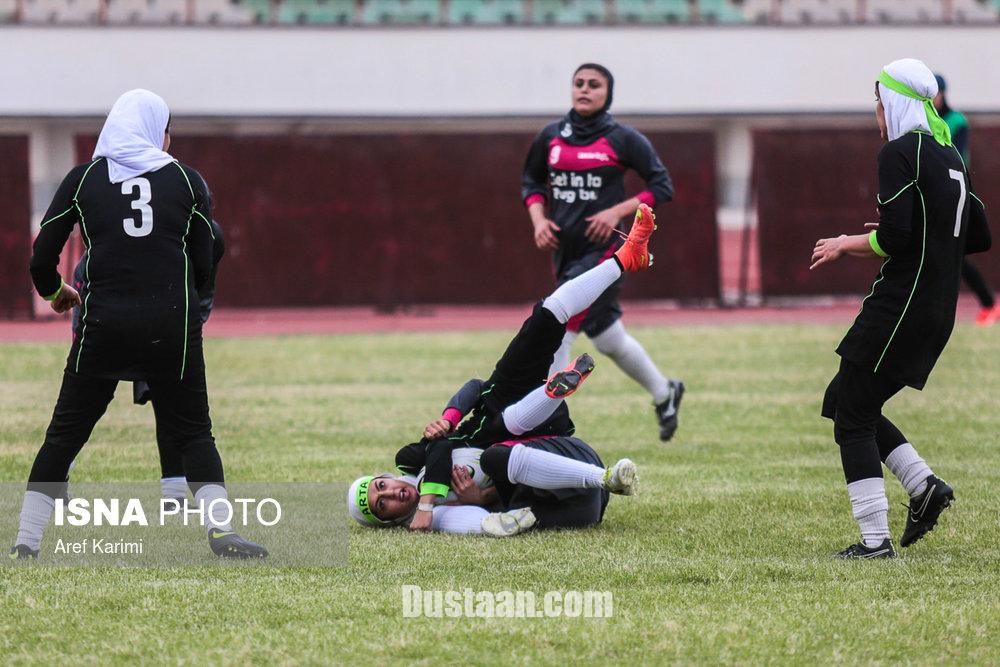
508, 524
622, 478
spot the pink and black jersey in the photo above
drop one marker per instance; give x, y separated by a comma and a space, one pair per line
578, 169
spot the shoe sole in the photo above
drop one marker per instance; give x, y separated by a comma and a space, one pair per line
495, 526
677, 408
628, 478
928, 525
567, 381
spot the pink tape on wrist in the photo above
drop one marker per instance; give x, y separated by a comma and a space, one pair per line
453, 416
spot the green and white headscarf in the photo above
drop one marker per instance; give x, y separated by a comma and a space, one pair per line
907, 88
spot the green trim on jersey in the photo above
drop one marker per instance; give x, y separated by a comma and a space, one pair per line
52, 297
55, 217
86, 239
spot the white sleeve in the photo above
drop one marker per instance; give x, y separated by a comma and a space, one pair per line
458, 519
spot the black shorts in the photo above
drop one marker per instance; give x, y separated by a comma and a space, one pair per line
554, 508
606, 310
854, 400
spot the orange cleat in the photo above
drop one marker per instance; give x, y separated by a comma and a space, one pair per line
988, 316
634, 254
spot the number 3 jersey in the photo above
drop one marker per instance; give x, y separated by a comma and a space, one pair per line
929, 219
149, 248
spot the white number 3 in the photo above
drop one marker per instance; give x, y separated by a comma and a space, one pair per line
141, 204
960, 177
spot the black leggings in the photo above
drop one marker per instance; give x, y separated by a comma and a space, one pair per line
974, 279
182, 425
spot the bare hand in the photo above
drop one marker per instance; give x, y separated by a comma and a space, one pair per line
66, 299
438, 429
602, 224
827, 250
546, 235
468, 491
422, 521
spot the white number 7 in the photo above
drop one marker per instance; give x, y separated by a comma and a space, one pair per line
960, 177
142, 205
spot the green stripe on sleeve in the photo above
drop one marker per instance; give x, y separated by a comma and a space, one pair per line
873, 242
52, 297
428, 488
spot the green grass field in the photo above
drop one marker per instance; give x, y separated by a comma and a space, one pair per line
725, 557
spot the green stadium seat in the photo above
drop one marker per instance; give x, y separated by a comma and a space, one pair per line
653, 11
486, 12
573, 12
405, 12
720, 11
316, 11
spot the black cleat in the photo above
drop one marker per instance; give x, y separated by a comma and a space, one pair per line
569, 379
227, 544
925, 509
23, 552
666, 412
860, 551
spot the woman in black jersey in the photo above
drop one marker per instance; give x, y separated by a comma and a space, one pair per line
144, 218
929, 219
573, 188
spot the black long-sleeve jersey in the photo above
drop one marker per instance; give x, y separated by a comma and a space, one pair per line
929, 219
484, 427
149, 251
578, 181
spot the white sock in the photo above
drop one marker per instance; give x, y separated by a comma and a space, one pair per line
173, 487
544, 470
560, 359
630, 356
911, 470
871, 509
36, 510
530, 411
576, 295
220, 513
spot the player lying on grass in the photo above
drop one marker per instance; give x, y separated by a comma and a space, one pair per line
516, 402
927, 224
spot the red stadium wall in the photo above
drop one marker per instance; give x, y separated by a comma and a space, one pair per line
15, 228
984, 167
811, 184
416, 218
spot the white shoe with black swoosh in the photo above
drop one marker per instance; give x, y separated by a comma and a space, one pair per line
861, 552
227, 544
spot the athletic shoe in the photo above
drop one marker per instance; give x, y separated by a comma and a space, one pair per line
634, 254
666, 412
569, 379
23, 552
988, 316
621, 478
228, 544
925, 509
860, 551
508, 524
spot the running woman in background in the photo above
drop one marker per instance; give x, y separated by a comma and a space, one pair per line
145, 221
573, 186
989, 310
929, 219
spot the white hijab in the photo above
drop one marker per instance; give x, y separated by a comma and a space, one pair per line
904, 114
132, 136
